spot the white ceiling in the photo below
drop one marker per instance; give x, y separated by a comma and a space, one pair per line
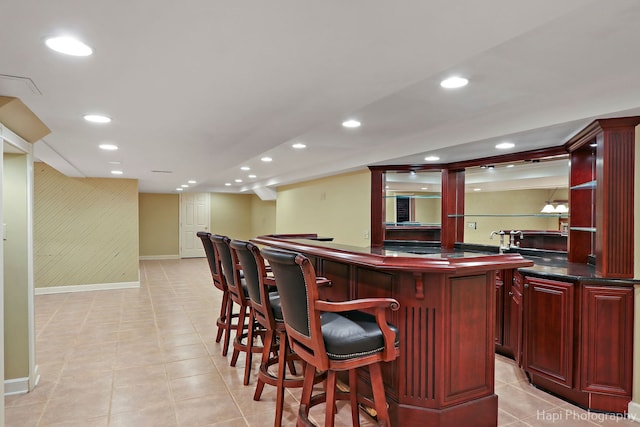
203, 87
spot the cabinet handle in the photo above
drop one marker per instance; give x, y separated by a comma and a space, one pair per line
526, 285
510, 293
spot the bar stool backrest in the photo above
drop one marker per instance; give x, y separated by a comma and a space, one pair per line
255, 272
212, 258
229, 271
296, 282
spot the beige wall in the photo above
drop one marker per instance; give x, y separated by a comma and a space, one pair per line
16, 313
159, 216
507, 202
85, 229
239, 216
263, 216
337, 206
231, 215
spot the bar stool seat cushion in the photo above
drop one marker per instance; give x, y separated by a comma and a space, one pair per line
352, 334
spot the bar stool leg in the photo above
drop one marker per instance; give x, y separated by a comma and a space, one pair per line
353, 397
227, 333
307, 389
330, 404
239, 332
248, 357
266, 352
222, 318
378, 394
282, 372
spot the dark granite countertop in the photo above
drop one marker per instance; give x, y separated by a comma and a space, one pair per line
547, 264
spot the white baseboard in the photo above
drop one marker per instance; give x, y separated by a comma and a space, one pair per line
634, 411
158, 257
21, 385
16, 386
85, 288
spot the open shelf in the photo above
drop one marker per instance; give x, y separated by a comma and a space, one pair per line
585, 186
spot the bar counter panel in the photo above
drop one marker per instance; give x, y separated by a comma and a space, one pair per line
444, 375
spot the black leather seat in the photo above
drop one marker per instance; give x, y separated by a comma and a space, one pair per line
333, 336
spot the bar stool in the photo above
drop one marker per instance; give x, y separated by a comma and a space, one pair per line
223, 323
265, 304
246, 329
333, 336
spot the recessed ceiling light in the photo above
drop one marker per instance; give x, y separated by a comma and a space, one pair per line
238, 180
299, 145
179, 189
227, 184
351, 124
454, 82
245, 168
266, 159
505, 145
108, 147
477, 189
117, 172
185, 186
97, 118
252, 176
432, 158
68, 46
191, 182
115, 162
423, 188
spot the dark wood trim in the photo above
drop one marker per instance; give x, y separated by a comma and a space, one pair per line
378, 207
452, 228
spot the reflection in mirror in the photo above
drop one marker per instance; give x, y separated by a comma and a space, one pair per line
413, 198
518, 196
413, 205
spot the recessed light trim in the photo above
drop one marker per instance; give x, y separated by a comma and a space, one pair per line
68, 46
432, 158
505, 145
117, 172
299, 146
97, 118
108, 147
245, 168
179, 189
454, 82
351, 124
238, 181
227, 184
191, 182
252, 176
184, 185
266, 159
477, 189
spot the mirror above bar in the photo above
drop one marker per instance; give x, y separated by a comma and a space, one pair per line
518, 204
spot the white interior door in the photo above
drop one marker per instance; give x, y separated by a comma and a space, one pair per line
194, 217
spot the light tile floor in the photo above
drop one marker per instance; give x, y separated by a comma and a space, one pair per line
148, 357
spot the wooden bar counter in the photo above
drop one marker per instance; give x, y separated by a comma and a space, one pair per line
444, 375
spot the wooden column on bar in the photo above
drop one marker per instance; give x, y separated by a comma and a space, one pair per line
612, 206
378, 207
452, 204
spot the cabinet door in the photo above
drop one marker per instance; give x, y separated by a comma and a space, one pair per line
549, 329
515, 317
607, 339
